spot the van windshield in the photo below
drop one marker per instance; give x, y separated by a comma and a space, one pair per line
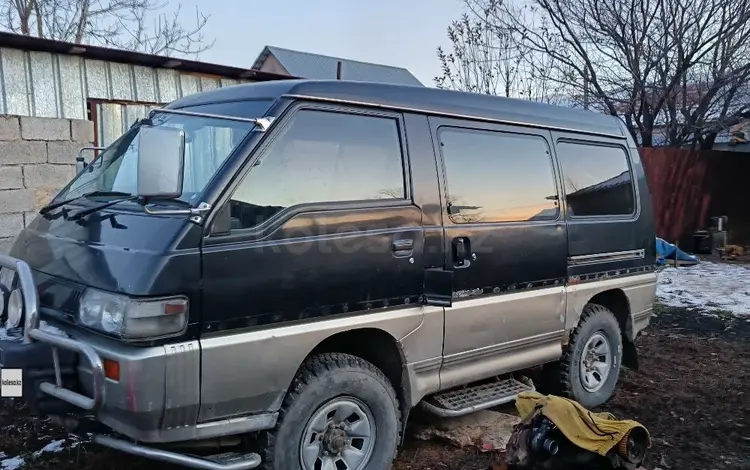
209, 140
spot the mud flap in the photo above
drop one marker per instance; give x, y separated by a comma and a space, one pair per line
629, 354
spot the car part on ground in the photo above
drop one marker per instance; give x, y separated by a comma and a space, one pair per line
557, 433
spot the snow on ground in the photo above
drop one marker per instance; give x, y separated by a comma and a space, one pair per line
706, 287
18, 462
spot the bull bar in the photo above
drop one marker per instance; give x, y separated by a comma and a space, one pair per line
32, 332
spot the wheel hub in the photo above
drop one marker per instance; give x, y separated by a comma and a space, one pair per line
596, 362
339, 436
334, 440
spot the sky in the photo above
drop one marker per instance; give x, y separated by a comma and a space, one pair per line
404, 33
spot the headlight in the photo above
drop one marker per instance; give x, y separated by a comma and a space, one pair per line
127, 318
15, 309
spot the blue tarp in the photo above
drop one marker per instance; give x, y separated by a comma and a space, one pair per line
666, 250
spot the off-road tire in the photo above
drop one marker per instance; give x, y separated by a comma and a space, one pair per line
594, 319
320, 379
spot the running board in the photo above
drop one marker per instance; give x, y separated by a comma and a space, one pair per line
227, 461
476, 397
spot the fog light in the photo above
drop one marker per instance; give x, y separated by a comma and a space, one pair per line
15, 309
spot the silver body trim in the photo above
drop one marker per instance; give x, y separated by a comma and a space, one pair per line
249, 462
597, 258
640, 291
251, 372
492, 335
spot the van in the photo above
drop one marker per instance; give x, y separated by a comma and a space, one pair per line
296, 265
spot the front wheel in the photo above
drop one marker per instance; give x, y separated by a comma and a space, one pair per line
590, 367
341, 413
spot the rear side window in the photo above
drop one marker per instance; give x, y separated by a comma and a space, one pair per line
597, 179
322, 157
497, 176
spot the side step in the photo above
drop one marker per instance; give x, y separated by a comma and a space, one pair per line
227, 461
475, 397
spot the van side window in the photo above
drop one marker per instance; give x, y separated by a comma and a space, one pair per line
597, 179
497, 176
322, 157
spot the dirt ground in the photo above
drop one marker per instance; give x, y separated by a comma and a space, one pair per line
692, 392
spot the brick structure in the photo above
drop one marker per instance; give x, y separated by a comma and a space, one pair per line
37, 159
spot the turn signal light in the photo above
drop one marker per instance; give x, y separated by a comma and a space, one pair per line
112, 370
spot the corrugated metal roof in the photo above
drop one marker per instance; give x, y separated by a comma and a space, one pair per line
31, 43
321, 67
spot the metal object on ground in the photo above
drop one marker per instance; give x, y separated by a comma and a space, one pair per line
537, 444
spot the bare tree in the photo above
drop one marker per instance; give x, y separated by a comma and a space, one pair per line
484, 58
139, 25
679, 69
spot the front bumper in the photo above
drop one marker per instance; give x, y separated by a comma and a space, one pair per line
13, 355
155, 399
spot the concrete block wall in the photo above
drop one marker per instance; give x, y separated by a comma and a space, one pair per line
37, 158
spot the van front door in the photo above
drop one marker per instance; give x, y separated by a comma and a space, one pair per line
323, 227
505, 240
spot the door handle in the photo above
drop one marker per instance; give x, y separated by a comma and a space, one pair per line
403, 247
461, 252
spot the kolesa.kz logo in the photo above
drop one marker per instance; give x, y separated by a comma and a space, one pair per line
11, 383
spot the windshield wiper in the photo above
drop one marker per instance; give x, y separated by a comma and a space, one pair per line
91, 210
55, 205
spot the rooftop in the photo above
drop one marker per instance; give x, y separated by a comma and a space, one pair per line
31, 43
420, 99
317, 66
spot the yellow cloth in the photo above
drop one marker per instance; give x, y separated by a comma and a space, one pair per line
595, 432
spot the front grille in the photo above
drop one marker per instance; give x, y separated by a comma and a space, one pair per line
58, 297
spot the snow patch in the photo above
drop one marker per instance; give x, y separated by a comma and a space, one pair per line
706, 287
54, 446
12, 463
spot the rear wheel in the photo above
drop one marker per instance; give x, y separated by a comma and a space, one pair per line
341, 413
590, 367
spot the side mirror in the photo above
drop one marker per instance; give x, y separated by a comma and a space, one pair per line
161, 161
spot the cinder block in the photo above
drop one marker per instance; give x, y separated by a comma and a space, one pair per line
43, 196
10, 129
11, 177
47, 176
10, 225
66, 152
20, 151
36, 128
82, 131
6, 244
16, 200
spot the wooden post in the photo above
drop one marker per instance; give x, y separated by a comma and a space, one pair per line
338, 71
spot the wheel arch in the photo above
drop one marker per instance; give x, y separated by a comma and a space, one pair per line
377, 347
617, 301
